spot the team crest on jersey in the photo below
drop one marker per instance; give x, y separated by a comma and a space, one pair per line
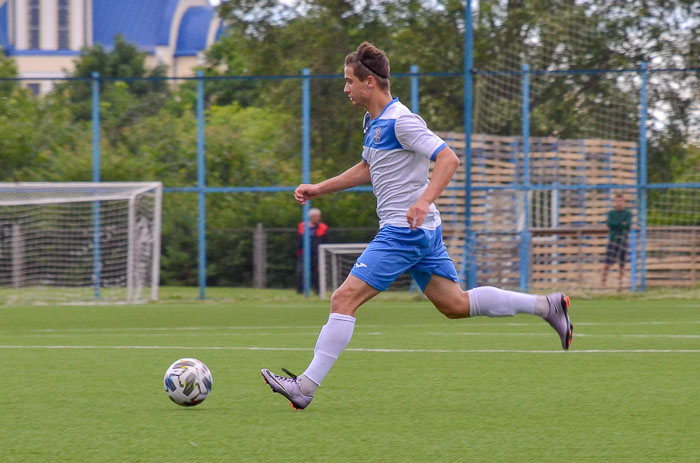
377, 134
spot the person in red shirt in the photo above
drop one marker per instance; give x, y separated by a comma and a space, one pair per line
318, 231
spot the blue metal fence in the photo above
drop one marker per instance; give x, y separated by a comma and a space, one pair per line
469, 271
524, 185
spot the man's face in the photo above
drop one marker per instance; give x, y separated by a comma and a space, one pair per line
355, 89
314, 219
619, 203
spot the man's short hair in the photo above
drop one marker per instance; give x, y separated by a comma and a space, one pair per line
619, 195
369, 60
314, 210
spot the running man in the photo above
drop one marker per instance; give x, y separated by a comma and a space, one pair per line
397, 151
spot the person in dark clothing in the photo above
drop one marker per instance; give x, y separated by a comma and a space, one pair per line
619, 222
318, 231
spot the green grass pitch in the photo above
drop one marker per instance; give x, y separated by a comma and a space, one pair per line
84, 383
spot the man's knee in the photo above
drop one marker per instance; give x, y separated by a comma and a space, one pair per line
453, 312
344, 300
337, 298
456, 307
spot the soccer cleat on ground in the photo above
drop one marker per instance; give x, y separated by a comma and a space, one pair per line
558, 317
288, 387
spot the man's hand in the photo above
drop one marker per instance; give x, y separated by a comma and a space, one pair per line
416, 214
306, 192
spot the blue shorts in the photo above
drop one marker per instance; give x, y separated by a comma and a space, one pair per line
396, 250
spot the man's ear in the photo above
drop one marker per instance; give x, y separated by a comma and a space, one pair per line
371, 81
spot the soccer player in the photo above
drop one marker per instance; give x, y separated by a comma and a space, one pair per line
619, 221
397, 151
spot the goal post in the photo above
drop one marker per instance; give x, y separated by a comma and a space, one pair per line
80, 241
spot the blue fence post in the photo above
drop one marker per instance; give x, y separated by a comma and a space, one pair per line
201, 185
471, 266
642, 186
414, 89
525, 232
306, 172
633, 260
414, 109
96, 219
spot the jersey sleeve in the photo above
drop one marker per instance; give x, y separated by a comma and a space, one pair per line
414, 135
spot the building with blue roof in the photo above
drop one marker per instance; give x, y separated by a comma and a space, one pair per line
45, 37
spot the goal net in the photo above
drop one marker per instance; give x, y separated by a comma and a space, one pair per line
79, 242
335, 261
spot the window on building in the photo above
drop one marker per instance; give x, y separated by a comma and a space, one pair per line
34, 21
34, 88
63, 24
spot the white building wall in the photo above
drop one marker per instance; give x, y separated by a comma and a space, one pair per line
77, 24
48, 39
20, 19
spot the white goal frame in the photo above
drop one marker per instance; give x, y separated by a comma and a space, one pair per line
333, 251
50, 193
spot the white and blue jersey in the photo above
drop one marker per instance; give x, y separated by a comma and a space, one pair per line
398, 147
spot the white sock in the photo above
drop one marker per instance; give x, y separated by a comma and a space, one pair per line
542, 306
494, 302
307, 386
335, 336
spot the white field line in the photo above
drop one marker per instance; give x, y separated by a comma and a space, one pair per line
399, 351
470, 333
360, 333
264, 327
181, 335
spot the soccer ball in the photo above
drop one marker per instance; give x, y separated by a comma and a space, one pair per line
188, 382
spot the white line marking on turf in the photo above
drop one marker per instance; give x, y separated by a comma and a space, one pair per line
182, 335
476, 333
357, 349
263, 327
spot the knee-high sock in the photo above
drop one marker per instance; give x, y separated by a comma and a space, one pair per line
495, 302
335, 336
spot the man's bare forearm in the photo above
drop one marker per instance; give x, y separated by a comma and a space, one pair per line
446, 164
354, 176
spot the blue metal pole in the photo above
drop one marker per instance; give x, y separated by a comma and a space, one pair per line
470, 237
642, 195
306, 172
525, 233
201, 185
96, 219
414, 109
414, 90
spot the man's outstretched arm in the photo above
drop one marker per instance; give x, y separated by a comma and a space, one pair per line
354, 176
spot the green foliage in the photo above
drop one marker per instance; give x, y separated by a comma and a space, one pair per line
253, 128
8, 68
125, 60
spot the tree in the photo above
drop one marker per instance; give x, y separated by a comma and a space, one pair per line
122, 102
590, 35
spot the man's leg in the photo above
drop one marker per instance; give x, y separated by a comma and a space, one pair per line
451, 301
620, 276
334, 337
604, 279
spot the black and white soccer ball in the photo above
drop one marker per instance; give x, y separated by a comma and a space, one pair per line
188, 382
